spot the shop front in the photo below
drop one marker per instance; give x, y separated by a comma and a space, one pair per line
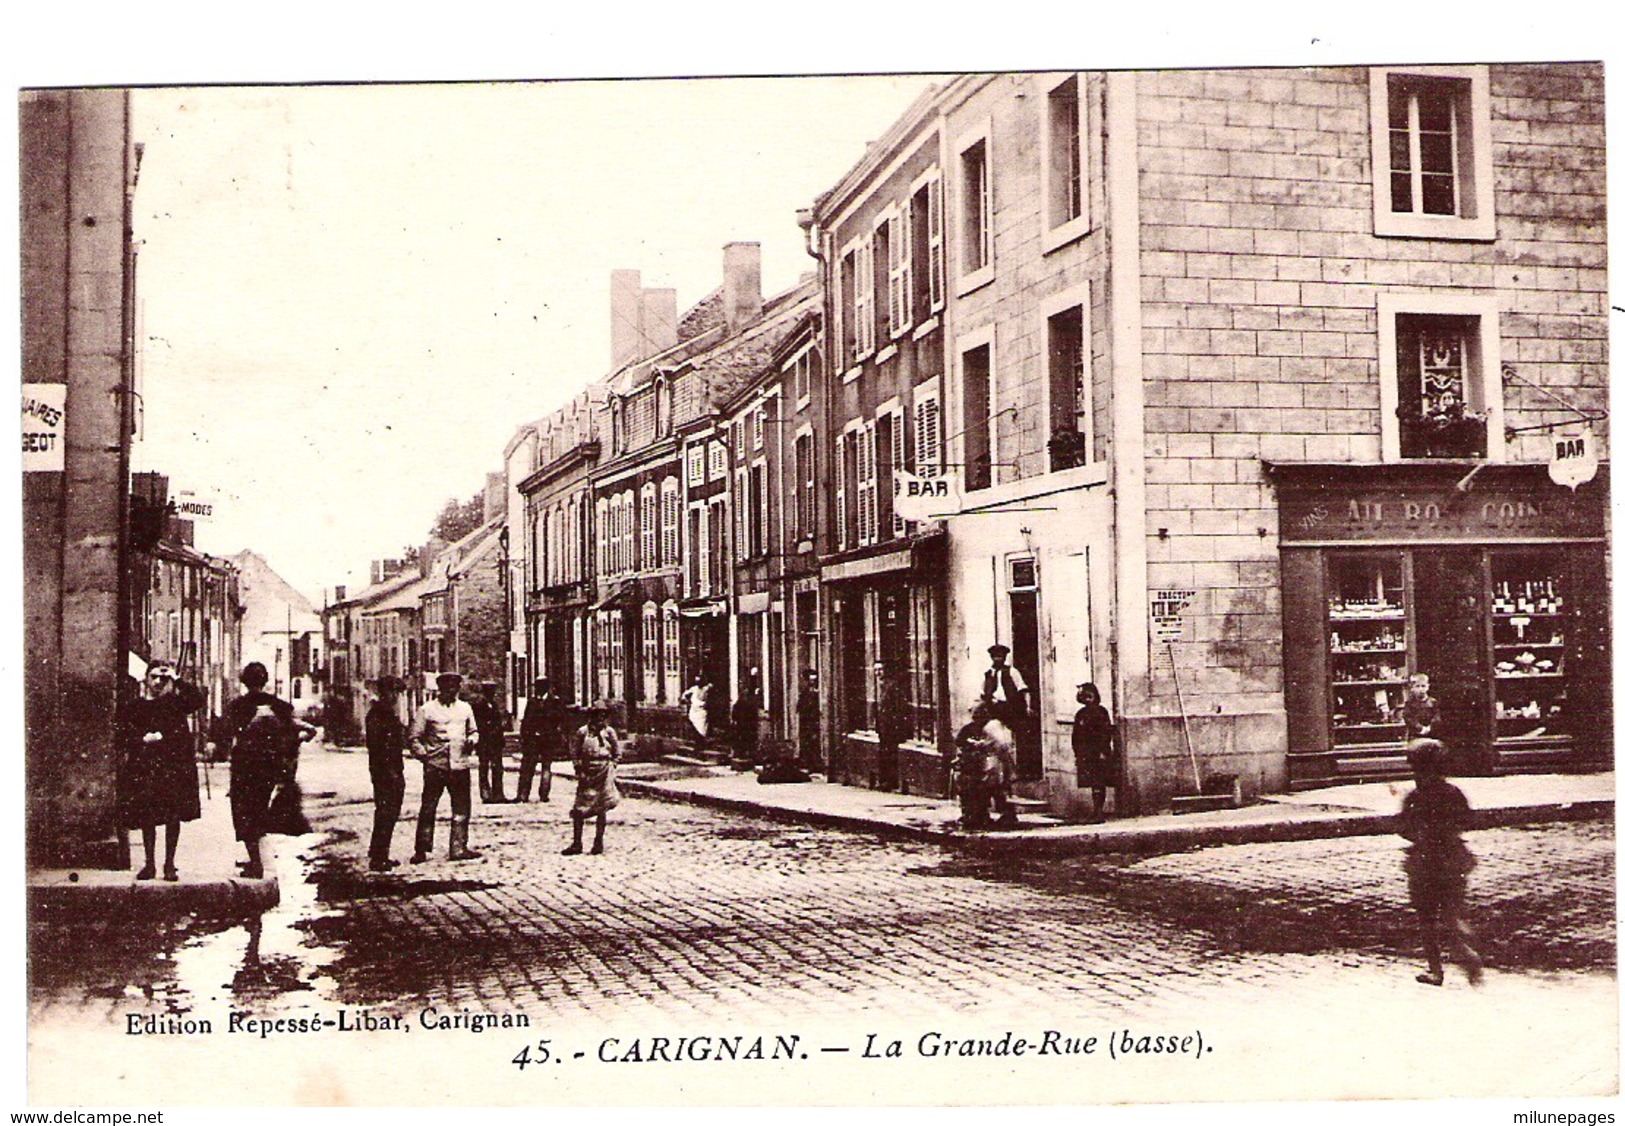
887, 655
1493, 583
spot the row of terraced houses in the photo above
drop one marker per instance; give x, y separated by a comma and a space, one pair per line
1239, 393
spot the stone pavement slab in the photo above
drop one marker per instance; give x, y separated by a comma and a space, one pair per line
210, 883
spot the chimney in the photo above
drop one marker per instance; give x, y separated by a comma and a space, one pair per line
625, 317
741, 284
496, 497
659, 321
338, 593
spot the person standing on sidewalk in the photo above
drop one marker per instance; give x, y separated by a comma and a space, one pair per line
696, 703
1094, 748
492, 727
263, 738
386, 743
892, 726
541, 732
747, 723
158, 769
1437, 862
808, 719
443, 735
597, 750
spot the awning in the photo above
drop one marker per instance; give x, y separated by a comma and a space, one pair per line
628, 592
706, 608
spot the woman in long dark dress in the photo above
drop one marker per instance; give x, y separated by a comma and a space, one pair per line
1093, 748
158, 777
597, 750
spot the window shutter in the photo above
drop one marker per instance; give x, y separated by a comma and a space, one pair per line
864, 306
899, 248
840, 490
898, 525
934, 209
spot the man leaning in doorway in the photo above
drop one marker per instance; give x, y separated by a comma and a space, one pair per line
1003, 688
443, 735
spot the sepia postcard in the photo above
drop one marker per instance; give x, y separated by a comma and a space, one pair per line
1032, 587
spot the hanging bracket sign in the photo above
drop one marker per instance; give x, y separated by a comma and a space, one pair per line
1574, 458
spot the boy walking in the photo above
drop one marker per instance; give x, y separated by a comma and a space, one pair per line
1437, 862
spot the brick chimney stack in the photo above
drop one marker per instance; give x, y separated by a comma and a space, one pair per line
741, 283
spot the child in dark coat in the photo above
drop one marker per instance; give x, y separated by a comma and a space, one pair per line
1437, 862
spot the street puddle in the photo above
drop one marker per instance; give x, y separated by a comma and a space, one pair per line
268, 959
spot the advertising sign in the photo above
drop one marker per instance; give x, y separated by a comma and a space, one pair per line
925, 498
44, 416
1574, 458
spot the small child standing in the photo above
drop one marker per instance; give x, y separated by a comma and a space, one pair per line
1437, 862
1420, 711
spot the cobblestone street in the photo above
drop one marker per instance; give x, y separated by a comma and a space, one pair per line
728, 920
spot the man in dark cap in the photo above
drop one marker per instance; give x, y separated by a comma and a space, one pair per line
1003, 688
386, 742
492, 724
541, 739
444, 737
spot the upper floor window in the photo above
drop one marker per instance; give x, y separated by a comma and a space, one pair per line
717, 454
668, 522
1065, 168
883, 248
863, 301
925, 247
1440, 366
1430, 147
617, 426
975, 212
801, 375
1069, 385
804, 493
976, 377
696, 465
648, 526
662, 407
758, 426
848, 337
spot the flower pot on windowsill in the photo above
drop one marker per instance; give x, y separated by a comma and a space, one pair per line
1460, 436
1067, 450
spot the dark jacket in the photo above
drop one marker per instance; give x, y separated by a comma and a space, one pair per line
488, 718
158, 779
386, 740
1093, 740
542, 731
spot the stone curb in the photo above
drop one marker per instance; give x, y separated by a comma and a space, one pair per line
215, 899
1121, 837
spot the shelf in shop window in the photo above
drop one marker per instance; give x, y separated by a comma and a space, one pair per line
1365, 652
1530, 676
1363, 726
1532, 645
1366, 683
1390, 616
1548, 740
1529, 614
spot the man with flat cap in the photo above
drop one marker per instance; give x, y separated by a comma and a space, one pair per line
1003, 688
386, 742
444, 737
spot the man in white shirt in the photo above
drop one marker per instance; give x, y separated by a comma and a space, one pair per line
444, 735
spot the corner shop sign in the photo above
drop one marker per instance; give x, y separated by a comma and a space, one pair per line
1434, 512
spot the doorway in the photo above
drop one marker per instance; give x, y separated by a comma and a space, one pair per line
1451, 649
1023, 592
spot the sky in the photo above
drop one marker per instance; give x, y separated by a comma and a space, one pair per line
351, 296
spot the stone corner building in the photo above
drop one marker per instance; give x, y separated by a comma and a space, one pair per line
1232, 392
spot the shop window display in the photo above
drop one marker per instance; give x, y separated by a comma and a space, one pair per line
1528, 613
1369, 654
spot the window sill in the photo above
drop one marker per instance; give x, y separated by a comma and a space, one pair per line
886, 353
851, 374
1390, 224
927, 328
1066, 234
973, 281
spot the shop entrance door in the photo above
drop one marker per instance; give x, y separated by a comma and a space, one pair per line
1452, 650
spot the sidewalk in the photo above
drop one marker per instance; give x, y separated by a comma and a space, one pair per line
1339, 811
210, 884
